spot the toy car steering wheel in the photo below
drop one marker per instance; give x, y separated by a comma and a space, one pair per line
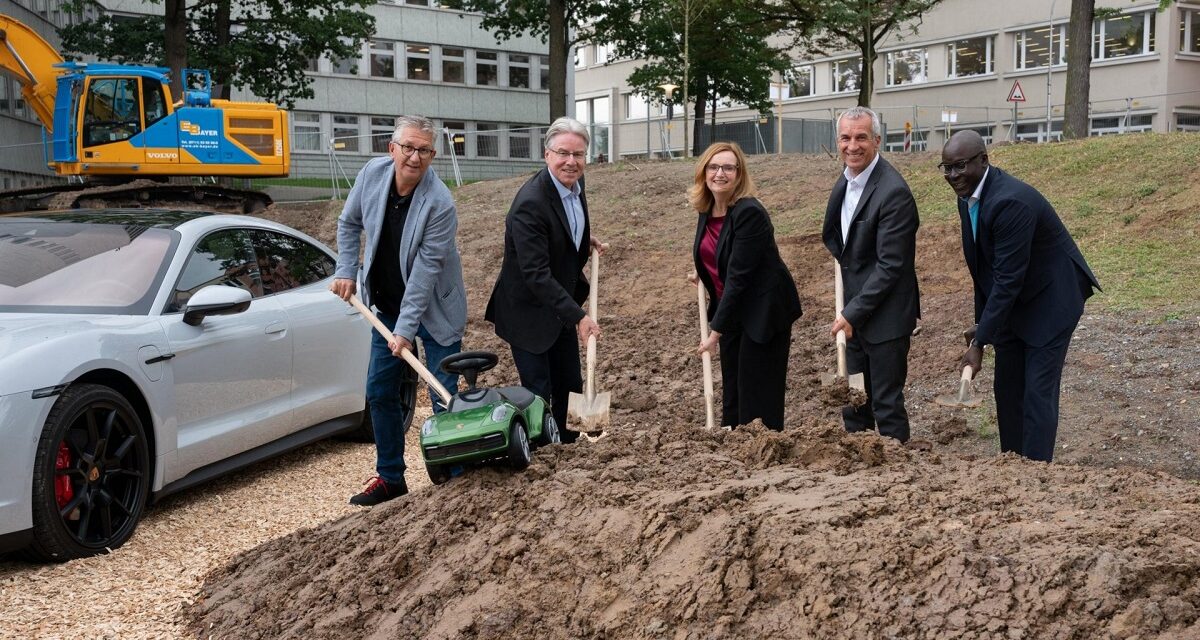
468, 362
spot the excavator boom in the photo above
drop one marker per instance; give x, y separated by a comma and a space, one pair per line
29, 58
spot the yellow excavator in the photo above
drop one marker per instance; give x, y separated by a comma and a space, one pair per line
113, 123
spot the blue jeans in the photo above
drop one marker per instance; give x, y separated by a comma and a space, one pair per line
434, 353
390, 384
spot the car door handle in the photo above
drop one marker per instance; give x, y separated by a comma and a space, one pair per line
275, 327
163, 358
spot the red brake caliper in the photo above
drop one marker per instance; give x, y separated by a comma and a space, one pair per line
63, 492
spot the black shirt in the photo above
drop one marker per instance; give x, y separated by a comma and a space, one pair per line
386, 279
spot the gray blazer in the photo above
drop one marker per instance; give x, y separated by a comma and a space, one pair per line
434, 293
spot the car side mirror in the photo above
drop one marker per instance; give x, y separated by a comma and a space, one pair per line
215, 300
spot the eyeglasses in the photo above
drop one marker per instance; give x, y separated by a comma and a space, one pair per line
717, 168
578, 155
956, 167
407, 150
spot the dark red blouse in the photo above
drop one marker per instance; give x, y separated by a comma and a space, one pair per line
708, 251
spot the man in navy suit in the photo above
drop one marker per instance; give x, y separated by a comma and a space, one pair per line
1030, 285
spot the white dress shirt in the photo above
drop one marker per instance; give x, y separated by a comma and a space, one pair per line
573, 206
854, 191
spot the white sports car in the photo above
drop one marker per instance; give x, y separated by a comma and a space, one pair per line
143, 352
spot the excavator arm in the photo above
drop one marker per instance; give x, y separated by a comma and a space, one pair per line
30, 59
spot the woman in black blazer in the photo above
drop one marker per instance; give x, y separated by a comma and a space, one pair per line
752, 297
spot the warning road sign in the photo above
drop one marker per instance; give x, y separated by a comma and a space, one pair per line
1016, 94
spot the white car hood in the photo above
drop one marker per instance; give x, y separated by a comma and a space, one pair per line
39, 349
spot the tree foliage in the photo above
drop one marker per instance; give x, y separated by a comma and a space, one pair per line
828, 26
728, 54
262, 46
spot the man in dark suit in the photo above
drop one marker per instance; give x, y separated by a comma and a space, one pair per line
536, 303
1030, 285
871, 228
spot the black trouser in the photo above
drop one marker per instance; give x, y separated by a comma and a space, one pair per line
885, 368
1027, 386
553, 375
754, 378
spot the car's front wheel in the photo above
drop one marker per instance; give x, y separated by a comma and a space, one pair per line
519, 453
91, 474
438, 473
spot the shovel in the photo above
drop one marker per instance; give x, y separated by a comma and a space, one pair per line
406, 354
710, 418
966, 394
589, 407
828, 379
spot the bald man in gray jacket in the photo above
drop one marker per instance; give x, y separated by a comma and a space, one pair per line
412, 274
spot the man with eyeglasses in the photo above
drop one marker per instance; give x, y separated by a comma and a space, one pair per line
871, 228
412, 274
1031, 282
536, 303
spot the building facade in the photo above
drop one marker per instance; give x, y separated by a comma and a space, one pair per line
956, 71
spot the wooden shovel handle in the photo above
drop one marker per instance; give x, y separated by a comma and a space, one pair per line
404, 353
710, 418
593, 311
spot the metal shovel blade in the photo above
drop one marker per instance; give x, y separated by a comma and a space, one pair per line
591, 413
854, 381
966, 395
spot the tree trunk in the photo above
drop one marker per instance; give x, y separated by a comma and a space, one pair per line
175, 33
866, 77
558, 58
224, 26
1079, 69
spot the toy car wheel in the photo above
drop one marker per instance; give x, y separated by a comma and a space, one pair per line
519, 453
550, 434
438, 473
91, 474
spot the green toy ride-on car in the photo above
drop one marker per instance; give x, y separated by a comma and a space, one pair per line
484, 424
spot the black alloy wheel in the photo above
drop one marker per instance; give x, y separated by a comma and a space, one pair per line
550, 434
91, 474
519, 453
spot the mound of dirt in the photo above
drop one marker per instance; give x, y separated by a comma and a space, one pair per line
683, 533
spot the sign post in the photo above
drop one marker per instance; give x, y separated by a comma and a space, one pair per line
1016, 95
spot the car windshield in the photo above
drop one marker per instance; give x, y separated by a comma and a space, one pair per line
70, 267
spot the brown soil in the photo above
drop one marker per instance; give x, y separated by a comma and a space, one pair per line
664, 530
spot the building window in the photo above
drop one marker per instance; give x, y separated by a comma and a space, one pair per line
5, 105
417, 60
970, 57
485, 69
1189, 31
543, 64
636, 107
579, 61
419, 3
799, 82
453, 67
345, 133
594, 113
519, 143
907, 67
1036, 132
310, 65
1033, 47
1187, 121
603, 54
1122, 124
347, 66
381, 133
306, 129
846, 74
487, 140
458, 134
383, 58
1128, 35
518, 71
